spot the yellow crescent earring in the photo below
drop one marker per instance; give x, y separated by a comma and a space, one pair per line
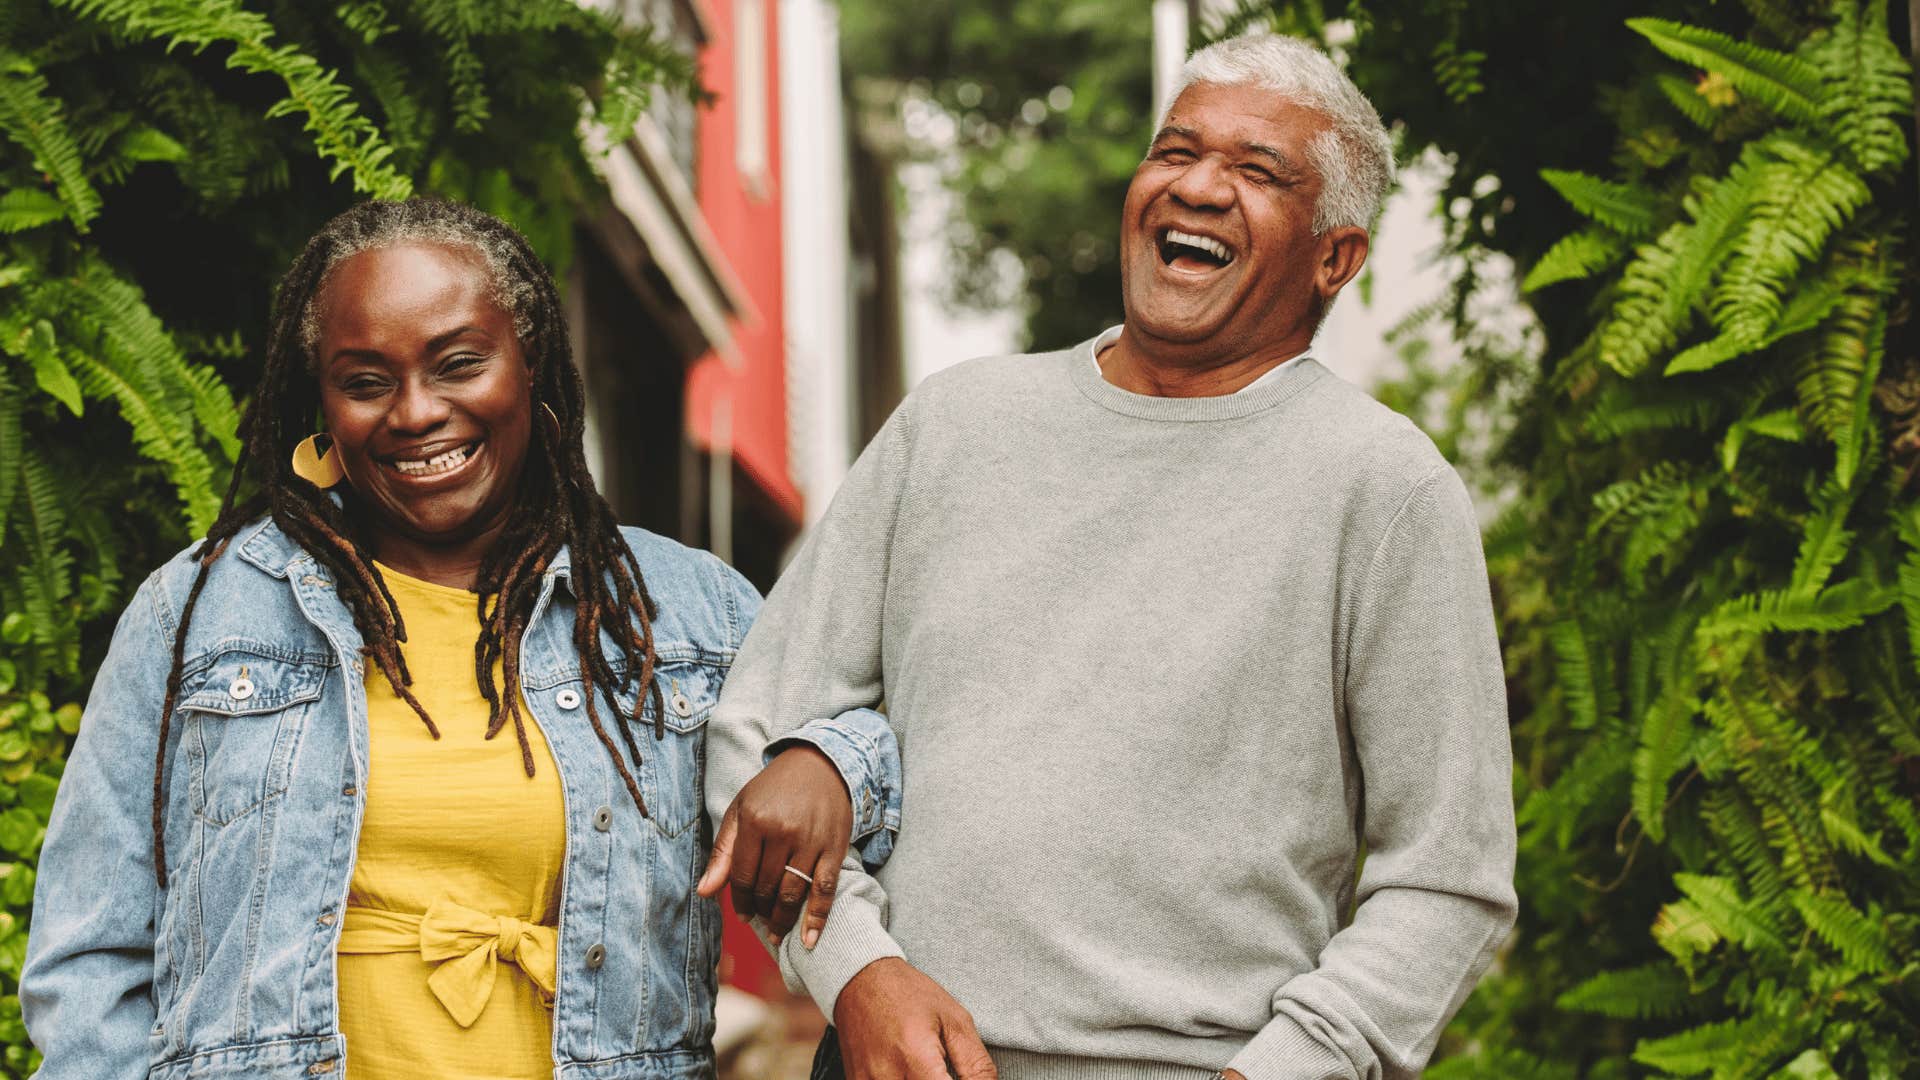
318, 467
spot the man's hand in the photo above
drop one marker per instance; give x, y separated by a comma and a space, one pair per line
895, 1023
795, 813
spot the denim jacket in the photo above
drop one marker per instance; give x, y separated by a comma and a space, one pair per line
230, 970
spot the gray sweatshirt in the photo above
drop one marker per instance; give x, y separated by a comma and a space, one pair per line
1162, 670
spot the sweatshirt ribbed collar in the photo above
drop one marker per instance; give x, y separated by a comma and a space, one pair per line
1259, 398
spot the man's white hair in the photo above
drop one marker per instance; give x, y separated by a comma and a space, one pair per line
1354, 157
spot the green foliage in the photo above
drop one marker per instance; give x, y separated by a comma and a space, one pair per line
161, 162
1717, 465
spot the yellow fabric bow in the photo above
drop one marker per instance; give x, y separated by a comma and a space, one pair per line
467, 945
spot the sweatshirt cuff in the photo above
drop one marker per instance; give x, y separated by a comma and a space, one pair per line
852, 939
1284, 1050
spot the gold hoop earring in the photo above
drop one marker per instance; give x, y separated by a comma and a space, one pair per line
553, 422
320, 468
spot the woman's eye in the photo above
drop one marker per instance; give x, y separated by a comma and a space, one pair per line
463, 364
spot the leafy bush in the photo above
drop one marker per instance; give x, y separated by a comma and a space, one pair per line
162, 161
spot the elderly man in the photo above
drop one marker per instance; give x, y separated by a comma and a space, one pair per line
1189, 650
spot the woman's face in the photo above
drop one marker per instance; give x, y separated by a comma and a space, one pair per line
428, 397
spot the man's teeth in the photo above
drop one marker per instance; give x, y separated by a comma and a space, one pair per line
452, 459
1212, 247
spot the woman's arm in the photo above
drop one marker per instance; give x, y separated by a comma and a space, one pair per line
831, 781
86, 990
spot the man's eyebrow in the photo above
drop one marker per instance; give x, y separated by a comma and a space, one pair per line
1273, 154
1174, 131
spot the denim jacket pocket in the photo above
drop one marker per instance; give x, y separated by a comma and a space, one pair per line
241, 713
673, 767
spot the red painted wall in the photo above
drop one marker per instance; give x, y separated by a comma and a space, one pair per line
747, 225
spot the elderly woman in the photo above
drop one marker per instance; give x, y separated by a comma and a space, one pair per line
288, 830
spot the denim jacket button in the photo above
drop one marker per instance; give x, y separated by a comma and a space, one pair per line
596, 955
567, 699
241, 689
603, 818
681, 706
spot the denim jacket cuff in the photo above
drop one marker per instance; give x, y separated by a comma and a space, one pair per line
860, 745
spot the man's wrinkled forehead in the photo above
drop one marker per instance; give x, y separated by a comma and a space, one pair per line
1195, 122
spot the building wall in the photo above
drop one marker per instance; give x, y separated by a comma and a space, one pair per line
739, 410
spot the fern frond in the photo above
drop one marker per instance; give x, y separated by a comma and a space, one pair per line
1684, 932
38, 346
1639, 993
32, 119
1623, 409
1658, 290
1840, 607
1845, 833
1860, 940
1786, 84
1666, 740
1799, 198
340, 133
1780, 424
1573, 673
1737, 826
12, 445
1735, 918
1576, 255
1827, 540
47, 578
1835, 378
1685, 97
29, 208
1866, 98
1697, 1050
1627, 209
1907, 522
1594, 773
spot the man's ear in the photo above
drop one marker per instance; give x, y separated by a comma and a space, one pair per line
1343, 251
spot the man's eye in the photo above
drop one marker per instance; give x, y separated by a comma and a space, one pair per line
1256, 174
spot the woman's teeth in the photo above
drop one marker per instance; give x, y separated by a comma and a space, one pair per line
433, 466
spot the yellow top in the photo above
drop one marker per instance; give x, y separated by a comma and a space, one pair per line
447, 952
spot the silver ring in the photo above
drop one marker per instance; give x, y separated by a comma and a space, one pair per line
808, 878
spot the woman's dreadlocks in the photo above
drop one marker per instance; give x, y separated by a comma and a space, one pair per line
557, 505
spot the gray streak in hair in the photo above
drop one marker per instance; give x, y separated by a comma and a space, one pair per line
416, 224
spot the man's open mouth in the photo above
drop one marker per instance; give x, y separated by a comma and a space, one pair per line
437, 464
1188, 251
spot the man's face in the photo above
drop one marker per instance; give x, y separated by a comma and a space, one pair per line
1216, 241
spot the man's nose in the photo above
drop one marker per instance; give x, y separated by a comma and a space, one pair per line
417, 408
1204, 184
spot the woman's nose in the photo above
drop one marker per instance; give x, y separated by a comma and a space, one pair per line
417, 408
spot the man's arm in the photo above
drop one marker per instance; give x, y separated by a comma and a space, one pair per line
1426, 705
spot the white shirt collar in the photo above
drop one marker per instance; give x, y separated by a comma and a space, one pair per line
1112, 334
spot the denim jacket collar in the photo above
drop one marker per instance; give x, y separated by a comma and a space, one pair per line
268, 548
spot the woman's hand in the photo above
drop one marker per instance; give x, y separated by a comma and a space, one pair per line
794, 816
